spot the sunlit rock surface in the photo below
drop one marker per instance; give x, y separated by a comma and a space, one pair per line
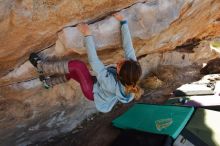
165, 32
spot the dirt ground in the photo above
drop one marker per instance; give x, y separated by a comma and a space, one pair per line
98, 131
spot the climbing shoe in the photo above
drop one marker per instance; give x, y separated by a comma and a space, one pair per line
34, 59
45, 81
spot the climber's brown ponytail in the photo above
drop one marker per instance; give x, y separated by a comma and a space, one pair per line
134, 89
129, 75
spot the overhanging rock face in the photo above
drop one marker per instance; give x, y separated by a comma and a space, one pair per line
28, 26
145, 20
29, 113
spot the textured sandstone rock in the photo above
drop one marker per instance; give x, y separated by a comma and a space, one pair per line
151, 82
28, 112
27, 26
212, 67
145, 20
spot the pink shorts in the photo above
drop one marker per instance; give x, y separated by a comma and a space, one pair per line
79, 72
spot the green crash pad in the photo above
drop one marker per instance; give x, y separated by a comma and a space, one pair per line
205, 126
159, 119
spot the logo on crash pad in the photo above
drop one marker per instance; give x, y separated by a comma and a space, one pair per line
163, 123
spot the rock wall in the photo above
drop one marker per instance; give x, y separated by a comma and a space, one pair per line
170, 32
32, 25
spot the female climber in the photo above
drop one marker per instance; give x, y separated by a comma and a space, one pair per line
110, 84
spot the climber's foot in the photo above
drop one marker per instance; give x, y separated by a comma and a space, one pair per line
44, 81
34, 59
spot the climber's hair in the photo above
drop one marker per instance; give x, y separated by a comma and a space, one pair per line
129, 75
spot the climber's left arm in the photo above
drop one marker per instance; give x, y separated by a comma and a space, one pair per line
93, 58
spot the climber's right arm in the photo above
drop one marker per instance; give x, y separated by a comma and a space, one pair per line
94, 60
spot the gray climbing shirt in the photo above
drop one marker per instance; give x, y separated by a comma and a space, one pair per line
107, 90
